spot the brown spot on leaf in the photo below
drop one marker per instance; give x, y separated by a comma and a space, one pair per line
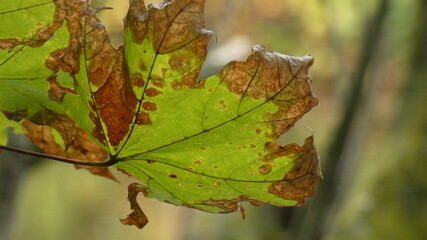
238, 75
124, 172
97, 131
152, 92
115, 103
142, 65
203, 148
137, 80
222, 105
164, 71
45, 32
172, 175
65, 60
243, 146
198, 162
231, 205
178, 62
258, 130
188, 80
158, 82
242, 212
217, 184
16, 115
56, 91
303, 179
280, 79
288, 114
185, 28
191, 169
143, 118
101, 56
172, 26
137, 217
77, 142
137, 19
149, 106
265, 169
9, 43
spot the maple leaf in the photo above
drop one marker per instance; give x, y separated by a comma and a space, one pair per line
205, 144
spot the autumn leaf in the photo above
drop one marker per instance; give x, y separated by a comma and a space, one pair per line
205, 144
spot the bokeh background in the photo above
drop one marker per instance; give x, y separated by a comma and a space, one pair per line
370, 75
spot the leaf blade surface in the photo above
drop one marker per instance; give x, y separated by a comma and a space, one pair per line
207, 144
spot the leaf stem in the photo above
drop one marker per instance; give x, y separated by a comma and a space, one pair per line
107, 163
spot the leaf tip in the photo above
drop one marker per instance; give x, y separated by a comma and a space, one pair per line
300, 182
137, 217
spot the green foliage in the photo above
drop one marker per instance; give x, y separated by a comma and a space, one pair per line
206, 144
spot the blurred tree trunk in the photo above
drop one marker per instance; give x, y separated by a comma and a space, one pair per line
312, 222
12, 168
398, 196
415, 92
409, 189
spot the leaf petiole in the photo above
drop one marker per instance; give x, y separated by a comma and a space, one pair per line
107, 163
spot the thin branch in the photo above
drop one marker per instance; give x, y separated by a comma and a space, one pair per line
108, 163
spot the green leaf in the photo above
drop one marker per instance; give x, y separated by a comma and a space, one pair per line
31, 31
5, 124
206, 144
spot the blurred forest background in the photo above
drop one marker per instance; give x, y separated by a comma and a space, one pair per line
370, 75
